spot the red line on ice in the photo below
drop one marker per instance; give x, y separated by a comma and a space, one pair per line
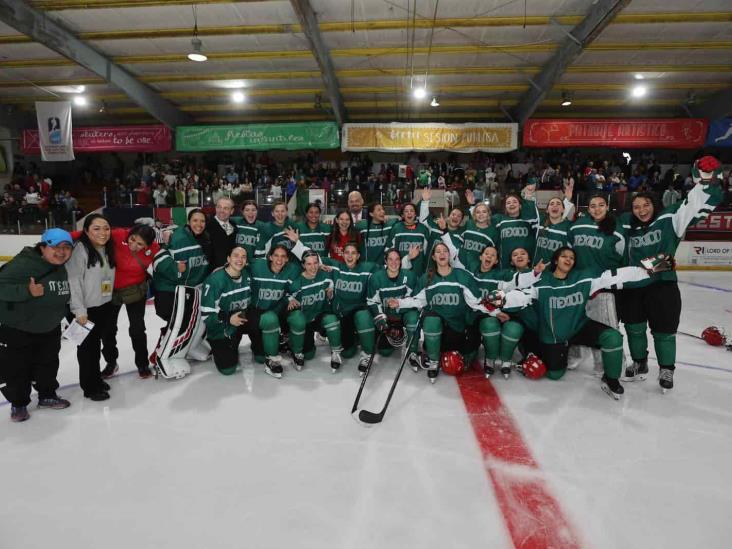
535, 519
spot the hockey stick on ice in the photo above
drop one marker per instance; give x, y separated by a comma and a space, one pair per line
366, 373
727, 346
371, 418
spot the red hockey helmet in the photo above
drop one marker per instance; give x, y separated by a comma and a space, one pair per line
452, 363
532, 367
714, 336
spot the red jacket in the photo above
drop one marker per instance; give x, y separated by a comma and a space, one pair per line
128, 270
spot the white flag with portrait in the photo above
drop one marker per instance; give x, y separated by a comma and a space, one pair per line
54, 130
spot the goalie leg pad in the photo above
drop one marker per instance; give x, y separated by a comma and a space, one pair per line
175, 343
601, 308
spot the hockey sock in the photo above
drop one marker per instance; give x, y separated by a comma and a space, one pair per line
510, 335
364, 323
490, 332
665, 345
228, 371
309, 354
611, 345
332, 327
269, 325
350, 352
296, 321
554, 375
410, 319
637, 340
432, 337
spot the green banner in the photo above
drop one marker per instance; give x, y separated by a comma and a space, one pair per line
258, 137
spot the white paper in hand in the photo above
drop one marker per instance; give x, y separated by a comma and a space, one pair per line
77, 333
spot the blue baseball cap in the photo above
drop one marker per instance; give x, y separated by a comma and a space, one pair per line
54, 237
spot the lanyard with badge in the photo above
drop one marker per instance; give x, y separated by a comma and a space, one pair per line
107, 281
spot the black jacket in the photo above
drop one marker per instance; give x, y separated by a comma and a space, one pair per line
221, 244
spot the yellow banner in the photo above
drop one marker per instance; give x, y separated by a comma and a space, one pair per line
399, 137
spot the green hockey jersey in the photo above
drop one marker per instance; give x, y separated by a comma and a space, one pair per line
516, 232
311, 294
549, 238
247, 235
403, 238
475, 240
663, 234
222, 297
182, 246
595, 250
350, 285
314, 238
271, 234
373, 239
268, 288
382, 287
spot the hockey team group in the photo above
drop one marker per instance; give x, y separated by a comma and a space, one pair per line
533, 290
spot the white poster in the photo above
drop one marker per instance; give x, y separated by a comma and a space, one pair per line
54, 130
702, 254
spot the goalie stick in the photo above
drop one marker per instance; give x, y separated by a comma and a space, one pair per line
371, 418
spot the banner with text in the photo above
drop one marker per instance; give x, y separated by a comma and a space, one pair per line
54, 129
687, 133
257, 137
720, 133
704, 254
399, 137
155, 138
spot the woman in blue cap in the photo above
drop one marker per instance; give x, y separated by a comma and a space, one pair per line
34, 291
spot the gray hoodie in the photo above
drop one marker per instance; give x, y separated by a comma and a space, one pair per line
86, 283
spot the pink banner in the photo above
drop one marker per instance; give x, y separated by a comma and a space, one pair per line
671, 133
110, 138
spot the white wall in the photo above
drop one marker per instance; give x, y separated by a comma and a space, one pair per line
10, 245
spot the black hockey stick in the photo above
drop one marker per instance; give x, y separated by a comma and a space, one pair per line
366, 373
727, 346
372, 418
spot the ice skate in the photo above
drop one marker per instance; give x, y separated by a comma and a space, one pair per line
335, 360
273, 366
505, 368
298, 360
363, 363
612, 387
489, 367
666, 379
415, 362
433, 368
638, 371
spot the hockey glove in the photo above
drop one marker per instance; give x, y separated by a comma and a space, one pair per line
380, 322
658, 263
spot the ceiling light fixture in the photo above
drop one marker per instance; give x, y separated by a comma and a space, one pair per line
196, 44
80, 89
80, 101
639, 91
638, 76
566, 99
238, 97
419, 93
435, 102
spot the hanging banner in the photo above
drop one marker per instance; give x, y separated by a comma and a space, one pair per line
257, 137
154, 138
398, 137
720, 133
682, 133
54, 128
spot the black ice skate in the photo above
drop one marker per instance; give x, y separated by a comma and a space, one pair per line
298, 360
666, 379
612, 387
489, 367
638, 371
363, 364
415, 362
335, 360
273, 366
505, 368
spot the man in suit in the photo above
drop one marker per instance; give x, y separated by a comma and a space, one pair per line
222, 231
355, 207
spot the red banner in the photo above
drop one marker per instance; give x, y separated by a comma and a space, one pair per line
686, 133
110, 138
716, 221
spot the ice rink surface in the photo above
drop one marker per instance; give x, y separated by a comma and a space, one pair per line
250, 461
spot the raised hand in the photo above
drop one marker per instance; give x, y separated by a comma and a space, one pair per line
470, 197
569, 190
441, 223
539, 267
292, 234
36, 290
426, 194
414, 251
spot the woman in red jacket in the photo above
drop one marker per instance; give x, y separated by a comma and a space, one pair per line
134, 250
343, 233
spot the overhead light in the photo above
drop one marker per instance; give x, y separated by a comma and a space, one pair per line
566, 100
197, 54
638, 76
419, 93
237, 97
79, 89
639, 91
80, 101
435, 102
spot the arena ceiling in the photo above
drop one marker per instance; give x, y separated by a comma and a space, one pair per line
481, 59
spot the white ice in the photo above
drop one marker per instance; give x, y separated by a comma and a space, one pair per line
251, 461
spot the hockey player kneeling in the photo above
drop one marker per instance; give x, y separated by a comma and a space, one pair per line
447, 293
226, 297
559, 299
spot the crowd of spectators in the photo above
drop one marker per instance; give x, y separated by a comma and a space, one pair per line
29, 199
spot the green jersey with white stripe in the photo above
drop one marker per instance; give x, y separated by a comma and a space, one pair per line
314, 238
382, 287
475, 240
182, 246
247, 235
403, 237
222, 297
373, 239
271, 235
311, 293
268, 288
549, 238
350, 285
594, 249
517, 232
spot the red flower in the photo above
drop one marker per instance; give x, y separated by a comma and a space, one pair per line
708, 164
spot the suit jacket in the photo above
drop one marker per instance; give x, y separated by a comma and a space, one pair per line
221, 243
364, 215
